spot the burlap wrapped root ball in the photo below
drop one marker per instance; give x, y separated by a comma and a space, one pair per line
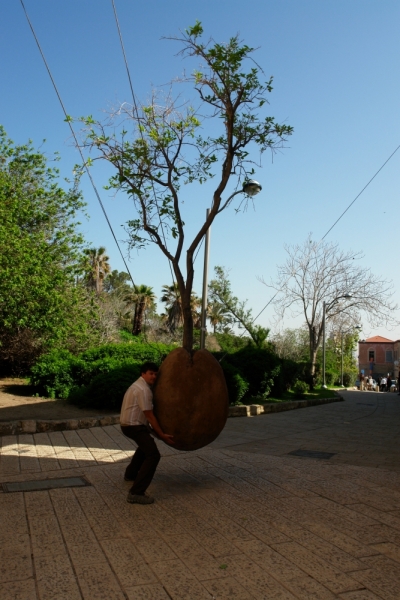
191, 398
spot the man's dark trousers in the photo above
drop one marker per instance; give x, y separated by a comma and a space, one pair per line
145, 460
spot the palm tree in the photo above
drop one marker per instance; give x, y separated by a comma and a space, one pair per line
142, 296
218, 315
96, 266
173, 304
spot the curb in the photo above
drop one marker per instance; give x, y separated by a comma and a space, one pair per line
31, 426
252, 410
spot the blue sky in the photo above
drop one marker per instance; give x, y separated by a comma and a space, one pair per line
335, 68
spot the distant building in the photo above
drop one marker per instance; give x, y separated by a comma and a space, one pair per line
379, 355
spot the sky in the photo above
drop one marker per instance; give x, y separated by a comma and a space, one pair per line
335, 67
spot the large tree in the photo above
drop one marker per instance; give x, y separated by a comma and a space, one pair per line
39, 253
320, 272
158, 148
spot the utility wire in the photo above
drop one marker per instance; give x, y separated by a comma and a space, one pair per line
137, 117
76, 140
329, 230
358, 195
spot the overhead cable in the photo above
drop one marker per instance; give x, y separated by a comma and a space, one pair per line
76, 140
137, 117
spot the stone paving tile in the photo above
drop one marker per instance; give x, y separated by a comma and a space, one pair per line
127, 563
316, 567
360, 595
10, 455
254, 579
228, 588
97, 582
378, 515
389, 549
178, 581
147, 592
55, 578
19, 590
27, 454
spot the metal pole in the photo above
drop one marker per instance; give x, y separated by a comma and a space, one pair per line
205, 288
323, 345
341, 378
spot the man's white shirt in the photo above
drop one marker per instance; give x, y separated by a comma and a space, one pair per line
138, 397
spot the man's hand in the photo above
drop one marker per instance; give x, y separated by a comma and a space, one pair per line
165, 437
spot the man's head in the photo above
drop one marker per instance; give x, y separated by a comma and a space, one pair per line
148, 371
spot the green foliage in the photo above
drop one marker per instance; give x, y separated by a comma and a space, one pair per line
40, 305
220, 291
237, 385
230, 342
348, 379
55, 374
300, 388
106, 390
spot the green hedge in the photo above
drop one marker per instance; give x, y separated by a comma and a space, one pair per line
59, 372
106, 390
99, 377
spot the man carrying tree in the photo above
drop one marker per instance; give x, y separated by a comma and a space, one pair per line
136, 415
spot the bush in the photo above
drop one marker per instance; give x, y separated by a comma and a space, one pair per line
258, 366
330, 377
54, 374
348, 379
106, 390
300, 388
237, 385
58, 372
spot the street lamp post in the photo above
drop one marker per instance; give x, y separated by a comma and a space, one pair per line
324, 311
358, 327
251, 187
205, 289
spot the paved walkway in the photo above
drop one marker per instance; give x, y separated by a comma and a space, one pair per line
240, 519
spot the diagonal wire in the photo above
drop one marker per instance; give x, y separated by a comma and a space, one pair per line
137, 117
76, 140
329, 230
358, 195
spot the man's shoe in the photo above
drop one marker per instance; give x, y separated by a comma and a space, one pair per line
128, 478
139, 499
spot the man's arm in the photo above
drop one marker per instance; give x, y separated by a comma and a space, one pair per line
152, 419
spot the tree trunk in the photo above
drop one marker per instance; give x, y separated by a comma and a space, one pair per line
138, 318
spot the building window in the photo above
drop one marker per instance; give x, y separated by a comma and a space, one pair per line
371, 356
395, 355
389, 356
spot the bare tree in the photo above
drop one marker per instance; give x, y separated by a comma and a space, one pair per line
158, 148
317, 273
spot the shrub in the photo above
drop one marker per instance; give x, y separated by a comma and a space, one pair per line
300, 388
106, 390
237, 385
289, 373
56, 373
330, 377
348, 379
257, 366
